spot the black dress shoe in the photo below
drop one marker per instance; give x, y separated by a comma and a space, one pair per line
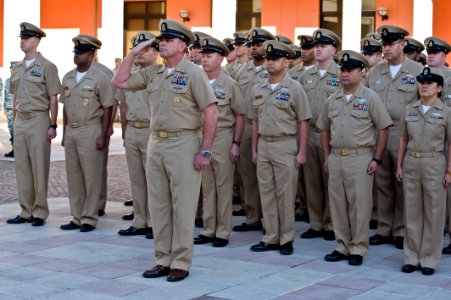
37, 222
427, 271
177, 275
378, 239
70, 226
335, 256
373, 224
128, 202
199, 223
248, 227
101, 212
311, 234
157, 271
447, 250
10, 154
286, 249
262, 247
218, 242
329, 235
128, 217
202, 239
87, 228
239, 212
409, 268
149, 234
399, 242
132, 230
18, 220
355, 260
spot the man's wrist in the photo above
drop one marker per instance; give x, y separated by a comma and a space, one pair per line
378, 161
205, 153
54, 126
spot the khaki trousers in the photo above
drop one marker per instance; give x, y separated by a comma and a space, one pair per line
84, 165
350, 191
249, 178
103, 191
32, 159
277, 179
425, 210
173, 187
316, 185
217, 187
136, 140
390, 198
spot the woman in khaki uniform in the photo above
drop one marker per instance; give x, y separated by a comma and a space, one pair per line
424, 130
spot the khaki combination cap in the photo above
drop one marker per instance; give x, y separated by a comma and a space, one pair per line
306, 41
349, 60
29, 30
198, 35
325, 36
437, 44
84, 43
431, 74
240, 38
259, 35
373, 35
229, 43
275, 48
297, 50
143, 36
390, 33
369, 45
412, 45
174, 29
283, 39
210, 44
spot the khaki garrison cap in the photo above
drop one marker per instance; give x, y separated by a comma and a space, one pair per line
296, 49
84, 43
324, 36
210, 44
259, 35
229, 43
240, 38
28, 29
349, 60
413, 45
143, 36
431, 74
390, 34
283, 39
174, 29
306, 41
436, 44
369, 46
373, 35
275, 48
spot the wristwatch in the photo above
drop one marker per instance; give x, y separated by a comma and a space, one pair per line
378, 161
54, 126
205, 153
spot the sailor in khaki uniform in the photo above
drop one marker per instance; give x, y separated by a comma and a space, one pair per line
217, 180
35, 85
280, 111
135, 121
422, 166
394, 80
247, 77
413, 49
179, 93
241, 53
349, 122
295, 63
231, 58
87, 96
319, 83
372, 51
437, 49
446, 99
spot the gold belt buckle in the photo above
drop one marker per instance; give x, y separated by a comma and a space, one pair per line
138, 125
416, 154
74, 124
162, 134
344, 152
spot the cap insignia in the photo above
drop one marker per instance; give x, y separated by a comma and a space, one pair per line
164, 26
367, 43
205, 42
319, 34
77, 43
269, 48
430, 43
22, 27
384, 32
346, 57
254, 33
426, 71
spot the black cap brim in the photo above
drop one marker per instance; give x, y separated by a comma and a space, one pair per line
430, 77
174, 34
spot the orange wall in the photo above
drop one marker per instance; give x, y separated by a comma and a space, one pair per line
83, 14
286, 15
1, 32
199, 11
440, 22
400, 13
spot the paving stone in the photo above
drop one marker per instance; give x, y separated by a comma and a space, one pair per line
317, 291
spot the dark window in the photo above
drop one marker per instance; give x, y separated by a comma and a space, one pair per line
248, 14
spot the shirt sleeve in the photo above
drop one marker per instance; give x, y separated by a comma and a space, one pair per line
238, 105
402, 126
302, 105
379, 113
52, 80
201, 89
120, 96
323, 122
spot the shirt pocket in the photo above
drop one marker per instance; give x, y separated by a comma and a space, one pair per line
359, 118
408, 92
332, 113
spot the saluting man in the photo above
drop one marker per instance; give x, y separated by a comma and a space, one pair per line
35, 85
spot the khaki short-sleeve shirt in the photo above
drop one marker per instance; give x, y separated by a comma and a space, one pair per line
279, 111
319, 88
353, 123
427, 132
230, 100
33, 85
296, 72
176, 99
446, 93
137, 105
84, 100
396, 93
